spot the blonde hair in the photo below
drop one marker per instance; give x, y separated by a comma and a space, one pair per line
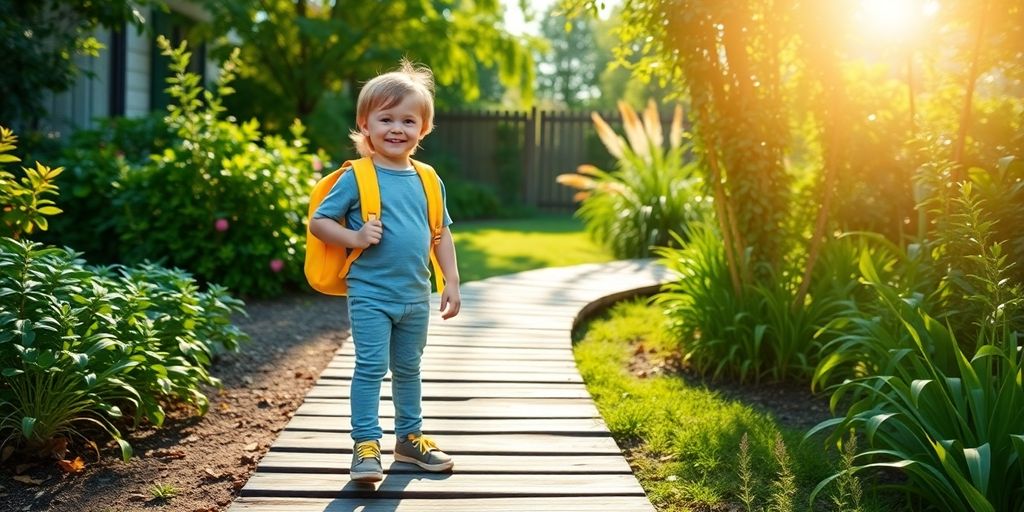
389, 89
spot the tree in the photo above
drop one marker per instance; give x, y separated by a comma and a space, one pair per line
569, 71
301, 56
38, 43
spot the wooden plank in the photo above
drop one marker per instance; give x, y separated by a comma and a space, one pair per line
332, 388
468, 365
500, 354
478, 444
548, 504
440, 486
566, 376
339, 463
484, 331
441, 426
472, 408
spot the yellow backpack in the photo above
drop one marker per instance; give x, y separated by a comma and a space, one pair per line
327, 265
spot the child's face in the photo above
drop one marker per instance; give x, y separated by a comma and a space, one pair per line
395, 132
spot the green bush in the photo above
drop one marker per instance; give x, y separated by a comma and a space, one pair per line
651, 194
22, 205
221, 201
758, 333
951, 423
96, 162
83, 348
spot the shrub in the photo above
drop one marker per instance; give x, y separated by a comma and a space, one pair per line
221, 201
96, 163
83, 347
950, 423
22, 205
755, 334
652, 192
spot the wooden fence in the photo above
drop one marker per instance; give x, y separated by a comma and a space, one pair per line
518, 154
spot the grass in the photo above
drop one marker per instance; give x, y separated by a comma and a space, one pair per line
496, 247
163, 491
684, 441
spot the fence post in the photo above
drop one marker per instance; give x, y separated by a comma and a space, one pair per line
530, 156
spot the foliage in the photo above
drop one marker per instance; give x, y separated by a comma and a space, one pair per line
298, 53
755, 334
467, 200
568, 72
22, 205
680, 437
652, 193
96, 163
950, 423
83, 348
40, 39
222, 201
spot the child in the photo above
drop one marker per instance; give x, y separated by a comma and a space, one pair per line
389, 287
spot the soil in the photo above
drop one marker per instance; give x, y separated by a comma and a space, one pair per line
207, 459
204, 459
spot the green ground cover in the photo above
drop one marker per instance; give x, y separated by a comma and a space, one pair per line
685, 441
496, 247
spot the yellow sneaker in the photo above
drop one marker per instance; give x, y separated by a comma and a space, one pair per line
421, 450
366, 462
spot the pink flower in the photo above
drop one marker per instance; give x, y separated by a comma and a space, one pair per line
317, 164
221, 225
276, 265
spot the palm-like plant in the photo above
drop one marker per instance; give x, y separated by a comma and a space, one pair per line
654, 190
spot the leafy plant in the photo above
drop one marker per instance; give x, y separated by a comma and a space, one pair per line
950, 423
757, 333
222, 201
96, 163
22, 205
163, 491
84, 348
653, 191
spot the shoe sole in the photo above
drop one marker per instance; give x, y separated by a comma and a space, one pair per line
444, 466
367, 477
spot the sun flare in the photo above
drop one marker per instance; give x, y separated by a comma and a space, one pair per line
894, 18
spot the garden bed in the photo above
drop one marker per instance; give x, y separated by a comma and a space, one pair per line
204, 460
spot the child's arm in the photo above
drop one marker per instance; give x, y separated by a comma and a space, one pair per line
451, 298
331, 233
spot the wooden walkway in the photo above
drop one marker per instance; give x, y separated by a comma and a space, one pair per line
501, 394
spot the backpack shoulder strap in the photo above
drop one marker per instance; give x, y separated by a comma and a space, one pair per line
369, 201
435, 214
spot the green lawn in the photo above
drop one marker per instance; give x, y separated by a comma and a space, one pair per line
496, 247
684, 441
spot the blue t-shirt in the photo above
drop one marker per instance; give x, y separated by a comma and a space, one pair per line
398, 268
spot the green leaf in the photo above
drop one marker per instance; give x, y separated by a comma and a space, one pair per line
28, 425
126, 449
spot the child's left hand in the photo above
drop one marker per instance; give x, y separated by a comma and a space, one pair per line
451, 301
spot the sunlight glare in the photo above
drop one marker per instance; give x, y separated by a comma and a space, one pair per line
894, 18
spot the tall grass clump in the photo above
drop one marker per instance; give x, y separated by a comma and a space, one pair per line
953, 424
652, 192
755, 332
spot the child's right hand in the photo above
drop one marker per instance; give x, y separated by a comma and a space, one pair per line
370, 233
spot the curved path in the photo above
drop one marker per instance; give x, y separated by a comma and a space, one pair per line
501, 394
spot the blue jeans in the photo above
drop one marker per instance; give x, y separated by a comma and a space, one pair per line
387, 335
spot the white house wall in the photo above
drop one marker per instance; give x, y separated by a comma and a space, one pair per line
138, 63
88, 99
